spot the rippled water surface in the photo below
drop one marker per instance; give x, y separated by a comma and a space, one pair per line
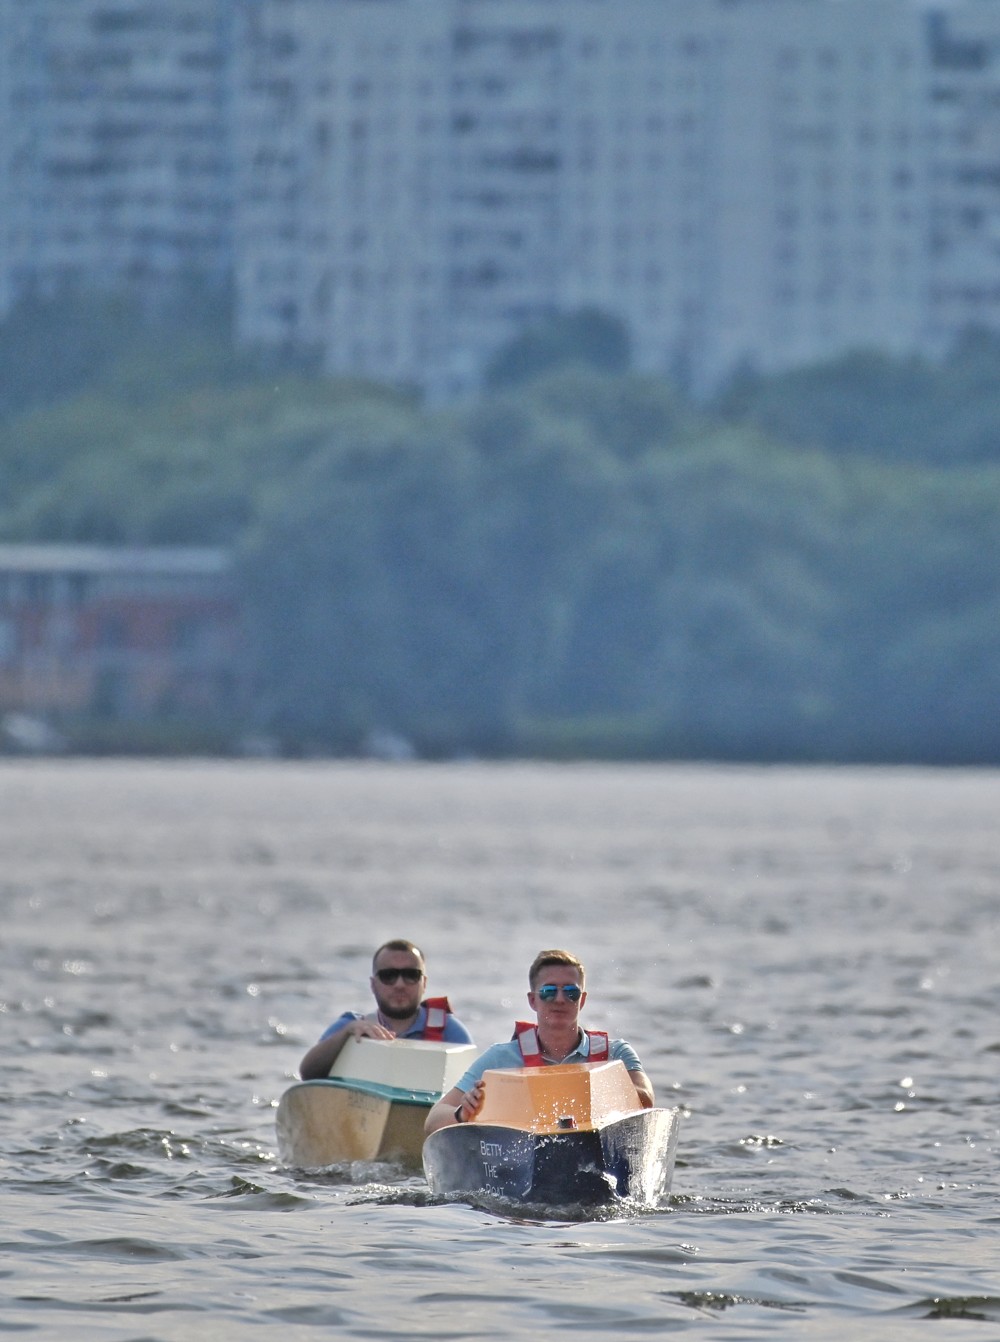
807, 961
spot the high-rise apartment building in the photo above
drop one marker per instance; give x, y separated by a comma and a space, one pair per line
821, 194
962, 113
417, 182
403, 185
341, 134
114, 158
737, 181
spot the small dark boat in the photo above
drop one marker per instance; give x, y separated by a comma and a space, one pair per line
373, 1105
558, 1136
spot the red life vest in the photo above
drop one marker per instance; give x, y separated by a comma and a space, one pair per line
531, 1051
438, 1011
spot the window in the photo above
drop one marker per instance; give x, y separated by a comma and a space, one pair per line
112, 633
8, 642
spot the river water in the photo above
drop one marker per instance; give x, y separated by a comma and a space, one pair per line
807, 961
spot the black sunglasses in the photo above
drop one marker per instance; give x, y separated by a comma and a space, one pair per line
389, 976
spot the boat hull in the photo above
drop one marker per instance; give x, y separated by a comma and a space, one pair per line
333, 1123
372, 1106
629, 1158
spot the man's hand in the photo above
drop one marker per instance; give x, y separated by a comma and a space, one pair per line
369, 1029
321, 1057
472, 1102
445, 1112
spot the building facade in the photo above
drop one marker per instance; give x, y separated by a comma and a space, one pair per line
115, 159
963, 163
739, 182
401, 186
117, 633
449, 173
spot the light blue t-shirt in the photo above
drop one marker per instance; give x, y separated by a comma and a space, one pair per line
509, 1055
454, 1031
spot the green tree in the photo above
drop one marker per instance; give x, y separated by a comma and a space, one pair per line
587, 336
905, 411
364, 579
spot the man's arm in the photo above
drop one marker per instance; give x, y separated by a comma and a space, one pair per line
644, 1087
443, 1113
317, 1062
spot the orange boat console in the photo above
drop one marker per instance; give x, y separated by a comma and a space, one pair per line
565, 1098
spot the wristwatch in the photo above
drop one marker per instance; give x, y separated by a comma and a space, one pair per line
458, 1115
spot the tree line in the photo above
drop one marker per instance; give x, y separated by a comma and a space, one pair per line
582, 560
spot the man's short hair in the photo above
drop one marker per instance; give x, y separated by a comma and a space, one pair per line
544, 958
398, 944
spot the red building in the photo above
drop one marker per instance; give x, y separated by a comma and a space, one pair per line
119, 633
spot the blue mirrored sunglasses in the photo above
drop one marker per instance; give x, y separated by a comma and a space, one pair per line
548, 992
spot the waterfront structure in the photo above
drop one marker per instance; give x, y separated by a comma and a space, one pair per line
118, 633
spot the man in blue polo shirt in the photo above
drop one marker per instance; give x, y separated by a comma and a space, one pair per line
557, 996
398, 980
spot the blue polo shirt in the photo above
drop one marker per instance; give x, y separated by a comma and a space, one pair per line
509, 1055
454, 1031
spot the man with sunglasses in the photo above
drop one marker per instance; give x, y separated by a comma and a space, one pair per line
398, 980
557, 995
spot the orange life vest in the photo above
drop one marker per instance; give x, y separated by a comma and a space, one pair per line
438, 1011
531, 1051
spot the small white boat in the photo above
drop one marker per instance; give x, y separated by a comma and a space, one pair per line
573, 1134
373, 1104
